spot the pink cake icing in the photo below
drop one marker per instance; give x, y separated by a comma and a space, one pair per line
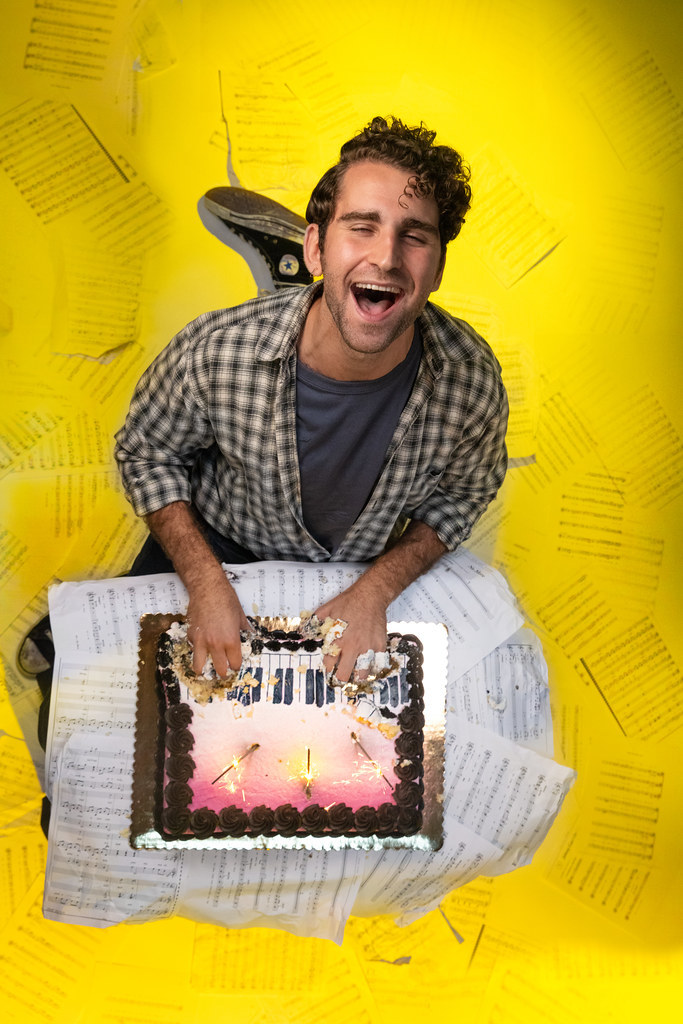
278, 750
275, 773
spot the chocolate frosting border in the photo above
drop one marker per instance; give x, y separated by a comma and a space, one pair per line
367, 820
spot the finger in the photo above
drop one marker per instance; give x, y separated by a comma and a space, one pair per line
345, 667
220, 662
200, 651
234, 652
331, 664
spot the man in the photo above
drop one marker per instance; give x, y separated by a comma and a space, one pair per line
315, 424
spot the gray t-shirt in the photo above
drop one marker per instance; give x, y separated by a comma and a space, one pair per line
343, 429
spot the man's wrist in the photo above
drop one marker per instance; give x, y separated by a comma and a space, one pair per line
416, 551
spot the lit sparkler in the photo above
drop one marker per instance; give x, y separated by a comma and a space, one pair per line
377, 768
307, 774
236, 760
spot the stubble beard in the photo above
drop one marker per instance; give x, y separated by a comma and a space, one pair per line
351, 335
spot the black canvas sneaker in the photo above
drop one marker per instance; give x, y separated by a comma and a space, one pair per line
268, 235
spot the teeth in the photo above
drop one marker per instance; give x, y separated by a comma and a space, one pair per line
379, 287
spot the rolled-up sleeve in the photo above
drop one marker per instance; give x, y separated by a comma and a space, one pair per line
165, 429
473, 476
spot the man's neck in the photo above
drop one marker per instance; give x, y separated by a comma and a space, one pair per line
322, 348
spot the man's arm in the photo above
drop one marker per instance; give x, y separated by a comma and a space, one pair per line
364, 604
214, 612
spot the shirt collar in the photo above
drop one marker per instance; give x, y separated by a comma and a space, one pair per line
285, 315
282, 320
432, 345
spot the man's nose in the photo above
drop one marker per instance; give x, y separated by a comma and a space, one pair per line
386, 250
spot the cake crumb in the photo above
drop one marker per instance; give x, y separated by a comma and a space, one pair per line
390, 731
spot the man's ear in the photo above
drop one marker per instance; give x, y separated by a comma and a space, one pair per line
312, 250
439, 273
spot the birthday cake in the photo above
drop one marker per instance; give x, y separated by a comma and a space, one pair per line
281, 748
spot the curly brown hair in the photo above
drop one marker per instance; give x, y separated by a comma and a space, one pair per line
438, 171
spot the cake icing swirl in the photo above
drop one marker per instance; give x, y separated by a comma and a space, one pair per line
233, 820
179, 767
203, 822
261, 820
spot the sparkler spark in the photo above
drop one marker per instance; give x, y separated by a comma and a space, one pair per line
236, 760
306, 773
375, 766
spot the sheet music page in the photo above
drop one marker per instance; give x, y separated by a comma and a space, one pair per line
88, 839
48, 176
269, 131
23, 862
78, 442
60, 181
44, 965
639, 113
19, 792
277, 977
318, 86
24, 695
274, 960
413, 882
521, 387
247, 888
97, 306
538, 998
109, 541
103, 384
563, 442
507, 228
97, 695
507, 693
595, 520
621, 885
638, 443
634, 676
641, 438
22, 424
504, 793
103, 616
471, 599
62, 43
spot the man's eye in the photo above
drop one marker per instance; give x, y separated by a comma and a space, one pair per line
417, 239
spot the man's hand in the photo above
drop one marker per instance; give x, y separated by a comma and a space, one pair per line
365, 612
214, 612
215, 617
364, 604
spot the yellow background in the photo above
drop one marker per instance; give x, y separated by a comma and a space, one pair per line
569, 264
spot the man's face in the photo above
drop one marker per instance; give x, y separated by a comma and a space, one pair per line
381, 258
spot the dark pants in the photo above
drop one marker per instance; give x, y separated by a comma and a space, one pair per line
152, 558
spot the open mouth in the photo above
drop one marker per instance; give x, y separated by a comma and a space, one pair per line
375, 299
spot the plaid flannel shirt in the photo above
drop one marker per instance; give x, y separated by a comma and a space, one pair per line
212, 422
